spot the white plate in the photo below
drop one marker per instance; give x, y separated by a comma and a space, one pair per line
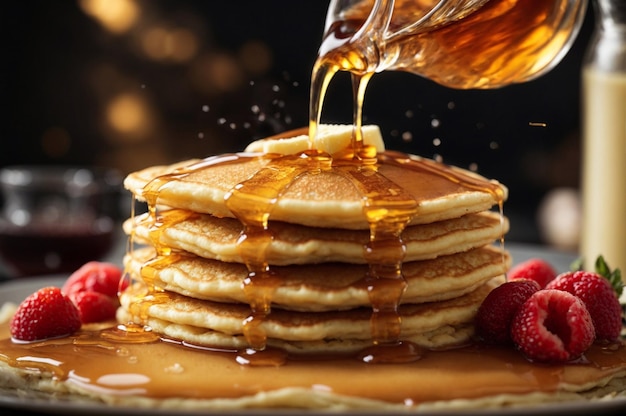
16, 291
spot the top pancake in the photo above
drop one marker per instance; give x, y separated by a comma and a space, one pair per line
333, 198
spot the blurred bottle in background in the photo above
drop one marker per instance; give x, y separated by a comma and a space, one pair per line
604, 133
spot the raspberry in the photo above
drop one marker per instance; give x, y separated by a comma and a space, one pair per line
552, 326
47, 313
94, 306
494, 316
598, 296
535, 269
95, 276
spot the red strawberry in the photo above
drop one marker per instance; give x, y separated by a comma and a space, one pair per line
598, 296
94, 306
552, 325
96, 277
494, 316
47, 313
535, 269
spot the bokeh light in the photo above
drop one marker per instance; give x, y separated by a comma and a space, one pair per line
255, 57
215, 73
128, 115
117, 16
162, 44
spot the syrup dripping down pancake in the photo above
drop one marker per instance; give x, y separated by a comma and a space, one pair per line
357, 205
216, 238
318, 287
201, 322
321, 198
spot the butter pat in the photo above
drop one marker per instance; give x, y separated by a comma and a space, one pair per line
331, 138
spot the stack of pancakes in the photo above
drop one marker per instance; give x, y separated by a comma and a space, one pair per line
317, 244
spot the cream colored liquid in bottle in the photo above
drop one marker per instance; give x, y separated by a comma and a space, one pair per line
604, 132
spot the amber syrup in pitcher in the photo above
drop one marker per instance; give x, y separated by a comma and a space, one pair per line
501, 43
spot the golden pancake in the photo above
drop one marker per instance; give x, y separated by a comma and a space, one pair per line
318, 287
201, 322
216, 238
331, 197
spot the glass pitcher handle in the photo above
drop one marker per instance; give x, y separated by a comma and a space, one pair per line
382, 24
441, 12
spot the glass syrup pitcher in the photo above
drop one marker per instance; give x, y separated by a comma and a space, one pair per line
462, 44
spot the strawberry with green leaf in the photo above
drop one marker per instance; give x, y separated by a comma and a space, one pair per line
600, 291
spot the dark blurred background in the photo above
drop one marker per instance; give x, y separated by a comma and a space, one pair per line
132, 83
